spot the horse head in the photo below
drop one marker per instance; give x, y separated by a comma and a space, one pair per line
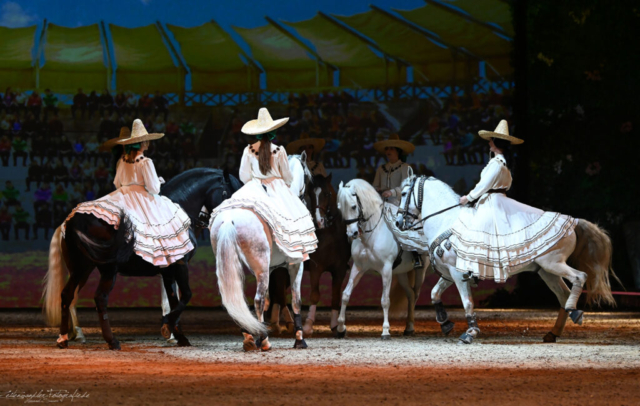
360, 204
408, 211
322, 201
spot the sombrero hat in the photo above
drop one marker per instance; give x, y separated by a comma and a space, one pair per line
394, 141
501, 131
294, 146
263, 124
107, 145
139, 134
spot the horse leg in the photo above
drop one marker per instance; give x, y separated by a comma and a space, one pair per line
557, 286
554, 263
403, 280
180, 272
315, 274
337, 278
166, 309
76, 333
386, 274
107, 280
68, 295
442, 317
464, 289
354, 278
295, 274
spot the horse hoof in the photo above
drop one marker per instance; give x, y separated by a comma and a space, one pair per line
386, 337
408, 333
184, 342
165, 331
340, 334
80, 336
307, 329
63, 345
249, 345
465, 339
115, 345
549, 338
576, 316
447, 327
300, 344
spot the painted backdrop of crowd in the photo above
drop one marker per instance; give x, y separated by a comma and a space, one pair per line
57, 169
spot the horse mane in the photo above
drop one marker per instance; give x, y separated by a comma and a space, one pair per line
181, 186
439, 185
369, 197
307, 173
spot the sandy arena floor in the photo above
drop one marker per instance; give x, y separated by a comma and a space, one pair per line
597, 363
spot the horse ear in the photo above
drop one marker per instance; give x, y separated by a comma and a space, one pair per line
410, 171
303, 156
341, 185
329, 177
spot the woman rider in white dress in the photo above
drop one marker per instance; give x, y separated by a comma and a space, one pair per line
389, 176
500, 235
160, 226
311, 146
264, 170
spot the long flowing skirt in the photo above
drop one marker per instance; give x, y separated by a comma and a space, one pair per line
289, 220
500, 236
160, 226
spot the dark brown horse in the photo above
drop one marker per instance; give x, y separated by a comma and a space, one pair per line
332, 256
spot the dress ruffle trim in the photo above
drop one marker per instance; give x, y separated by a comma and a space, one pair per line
288, 240
491, 255
158, 244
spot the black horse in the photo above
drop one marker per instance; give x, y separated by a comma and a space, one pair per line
90, 242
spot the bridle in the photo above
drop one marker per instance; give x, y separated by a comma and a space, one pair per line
326, 211
361, 219
405, 211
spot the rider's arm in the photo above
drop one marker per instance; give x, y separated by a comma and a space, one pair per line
283, 165
377, 181
116, 179
397, 191
151, 181
487, 180
245, 167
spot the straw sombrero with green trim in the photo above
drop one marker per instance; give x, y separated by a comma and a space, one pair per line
139, 134
294, 146
501, 131
395, 142
107, 145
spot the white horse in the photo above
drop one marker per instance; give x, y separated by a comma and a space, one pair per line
588, 248
374, 248
240, 237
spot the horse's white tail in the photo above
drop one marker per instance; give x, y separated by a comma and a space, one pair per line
54, 281
593, 256
231, 280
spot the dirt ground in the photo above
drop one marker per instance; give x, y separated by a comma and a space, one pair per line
593, 364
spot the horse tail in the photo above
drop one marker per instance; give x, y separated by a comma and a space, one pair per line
117, 248
54, 281
593, 256
231, 279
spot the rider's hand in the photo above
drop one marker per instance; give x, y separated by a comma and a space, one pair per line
464, 200
386, 193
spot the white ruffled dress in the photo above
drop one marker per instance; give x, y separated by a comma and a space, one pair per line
499, 235
160, 226
269, 197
